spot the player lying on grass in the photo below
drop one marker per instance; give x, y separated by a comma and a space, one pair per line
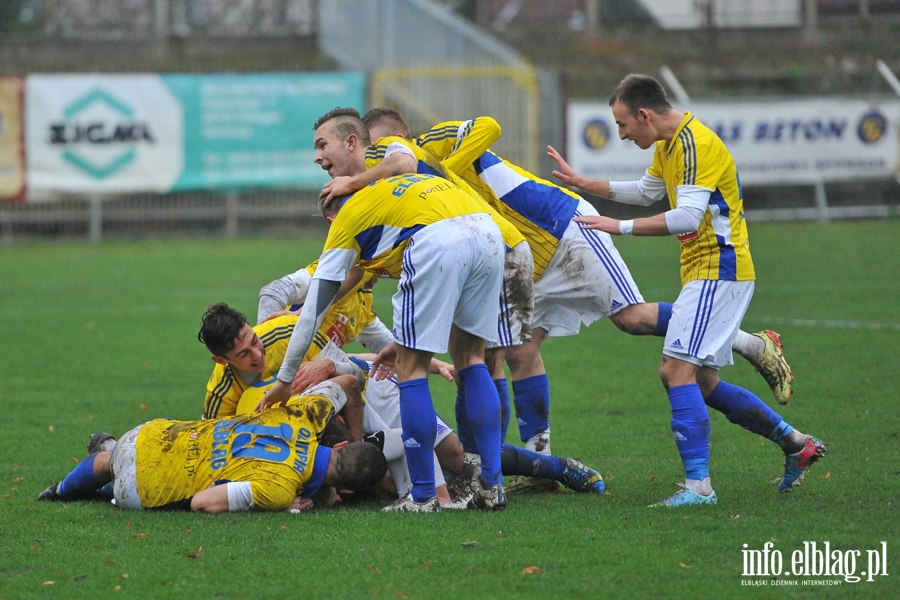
262, 461
247, 358
222, 322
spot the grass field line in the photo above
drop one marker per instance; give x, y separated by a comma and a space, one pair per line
833, 324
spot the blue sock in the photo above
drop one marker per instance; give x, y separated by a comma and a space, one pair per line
781, 431
662, 318
106, 492
483, 410
463, 429
519, 461
503, 391
532, 401
690, 424
81, 481
743, 408
419, 429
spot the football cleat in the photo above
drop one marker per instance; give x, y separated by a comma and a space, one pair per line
51, 494
407, 504
797, 464
772, 365
686, 497
581, 478
492, 498
101, 442
464, 485
522, 484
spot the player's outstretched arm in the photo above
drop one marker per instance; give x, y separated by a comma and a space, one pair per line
571, 178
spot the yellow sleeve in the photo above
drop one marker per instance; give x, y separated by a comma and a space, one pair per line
222, 394
476, 138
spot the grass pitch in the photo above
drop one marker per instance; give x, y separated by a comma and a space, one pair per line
104, 337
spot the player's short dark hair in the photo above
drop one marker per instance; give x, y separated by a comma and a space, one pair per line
389, 117
360, 466
638, 91
220, 327
335, 432
345, 120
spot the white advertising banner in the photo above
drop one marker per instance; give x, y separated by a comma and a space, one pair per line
797, 141
102, 134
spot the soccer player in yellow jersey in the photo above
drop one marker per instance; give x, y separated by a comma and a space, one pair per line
394, 155
564, 299
259, 461
245, 354
448, 256
692, 166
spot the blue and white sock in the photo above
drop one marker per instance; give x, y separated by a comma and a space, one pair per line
663, 316
532, 402
744, 408
503, 392
690, 425
519, 461
81, 481
483, 411
419, 430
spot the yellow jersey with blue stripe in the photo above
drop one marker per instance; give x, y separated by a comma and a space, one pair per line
375, 224
341, 324
276, 451
539, 209
720, 248
428, 164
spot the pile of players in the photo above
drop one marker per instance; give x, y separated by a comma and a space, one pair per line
490, 261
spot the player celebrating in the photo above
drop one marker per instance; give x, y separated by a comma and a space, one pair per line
564, 299
448, 255
692, 166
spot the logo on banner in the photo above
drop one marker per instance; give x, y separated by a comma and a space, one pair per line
872, 127
100, 134
812, 564
595, 134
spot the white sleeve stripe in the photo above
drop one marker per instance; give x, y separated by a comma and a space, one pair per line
240, 496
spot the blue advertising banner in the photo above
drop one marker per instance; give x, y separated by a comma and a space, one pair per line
256, 130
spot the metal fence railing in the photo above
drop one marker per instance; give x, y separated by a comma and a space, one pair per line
434, 66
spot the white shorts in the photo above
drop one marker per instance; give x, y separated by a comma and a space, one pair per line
452, 275
123, 467
705, 318
516, 299
384, 398
585, 281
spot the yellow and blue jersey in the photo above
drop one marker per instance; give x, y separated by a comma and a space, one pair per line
343, 323
720, 248
375, 224
539, 209
276, 451
428, 164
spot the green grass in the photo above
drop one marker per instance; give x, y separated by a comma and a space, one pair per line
104, 337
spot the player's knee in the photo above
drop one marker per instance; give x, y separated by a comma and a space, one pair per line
635, 319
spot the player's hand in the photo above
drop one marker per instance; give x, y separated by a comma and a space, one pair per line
439, 367
299, 505
566, 174
311, 373
339, 186
599, 223
385, 364
279, 392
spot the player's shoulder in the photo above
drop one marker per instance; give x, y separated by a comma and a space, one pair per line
273, 329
